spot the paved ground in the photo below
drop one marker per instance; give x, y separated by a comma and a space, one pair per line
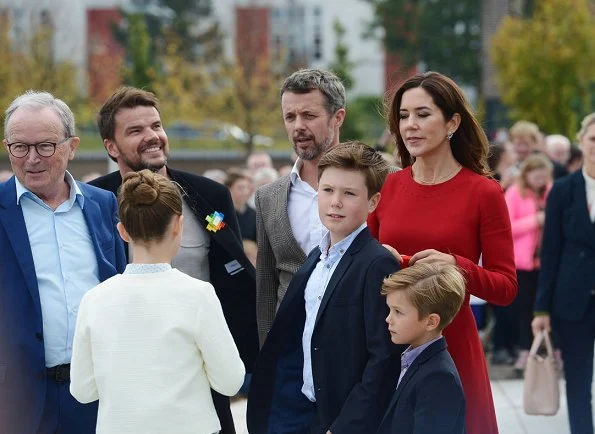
508, 400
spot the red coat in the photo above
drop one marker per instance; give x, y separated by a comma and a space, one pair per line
467, 217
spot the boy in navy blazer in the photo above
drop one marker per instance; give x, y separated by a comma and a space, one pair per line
423, 299
327, 364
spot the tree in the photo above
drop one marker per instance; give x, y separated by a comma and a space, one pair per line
441, 35
545, 65
30, 64
341, 65
250, 99
140, 71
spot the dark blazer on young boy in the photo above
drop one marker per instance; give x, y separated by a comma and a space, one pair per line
354, 363
429, 399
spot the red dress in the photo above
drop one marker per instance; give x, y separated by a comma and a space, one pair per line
465, 216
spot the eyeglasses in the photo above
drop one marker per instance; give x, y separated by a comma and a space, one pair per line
43, 149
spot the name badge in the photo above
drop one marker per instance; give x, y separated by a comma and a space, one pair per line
233, 267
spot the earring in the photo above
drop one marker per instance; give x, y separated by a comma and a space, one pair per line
449, 136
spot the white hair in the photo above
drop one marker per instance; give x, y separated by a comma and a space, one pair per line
554, 139
39, 100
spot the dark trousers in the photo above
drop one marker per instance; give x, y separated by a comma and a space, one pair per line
223, 409
504, 335
62, 414
576, 340
525, 301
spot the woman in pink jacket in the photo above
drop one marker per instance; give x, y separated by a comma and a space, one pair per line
526, 204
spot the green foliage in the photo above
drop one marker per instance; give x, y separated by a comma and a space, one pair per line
364, 120
442, 35
30, 64
546, 64
140, 73
249, 99
341, 65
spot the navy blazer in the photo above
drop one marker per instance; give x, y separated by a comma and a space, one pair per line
429, 399
354, 363
22, 353
567, 274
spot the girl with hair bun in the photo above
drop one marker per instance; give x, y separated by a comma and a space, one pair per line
151, 343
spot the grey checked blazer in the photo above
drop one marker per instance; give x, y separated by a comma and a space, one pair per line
279, 254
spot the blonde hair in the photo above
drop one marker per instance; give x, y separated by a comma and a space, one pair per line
585, 124
525, 129
532, 162
431, 288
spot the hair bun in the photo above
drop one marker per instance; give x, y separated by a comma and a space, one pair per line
140, 188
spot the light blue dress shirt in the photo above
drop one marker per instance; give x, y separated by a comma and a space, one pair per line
65, 265
313, 294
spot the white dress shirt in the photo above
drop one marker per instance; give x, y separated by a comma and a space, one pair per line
313, 294
302, 209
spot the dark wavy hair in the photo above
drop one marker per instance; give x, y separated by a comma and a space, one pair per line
469, 144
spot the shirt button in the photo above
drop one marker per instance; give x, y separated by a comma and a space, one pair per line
320, 297
315, 348
328, 266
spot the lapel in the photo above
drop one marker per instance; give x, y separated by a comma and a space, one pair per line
92, 214
11, 217
201, 209
281, 197
580, 207
342, 267
425, 355
297, 286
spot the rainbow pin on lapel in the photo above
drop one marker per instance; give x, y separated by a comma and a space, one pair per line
215, 221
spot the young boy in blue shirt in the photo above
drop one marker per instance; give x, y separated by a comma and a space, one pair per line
423, 299
327, 364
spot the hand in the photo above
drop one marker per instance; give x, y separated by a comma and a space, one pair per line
431, 256
403, 259
540, 217
394, 252
540, 323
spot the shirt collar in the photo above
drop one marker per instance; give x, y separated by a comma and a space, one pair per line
146, 268
75, 191
342, 246
588, 180
410, 354
294, 175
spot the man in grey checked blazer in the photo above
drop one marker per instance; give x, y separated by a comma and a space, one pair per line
288, 226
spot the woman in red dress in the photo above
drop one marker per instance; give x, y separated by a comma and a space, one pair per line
443, 207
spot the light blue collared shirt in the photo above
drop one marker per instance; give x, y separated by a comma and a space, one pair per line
65, 264
410, 354
313, 294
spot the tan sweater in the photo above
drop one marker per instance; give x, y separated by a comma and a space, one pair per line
150, 347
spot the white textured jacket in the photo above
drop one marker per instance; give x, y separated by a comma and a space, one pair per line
150, 347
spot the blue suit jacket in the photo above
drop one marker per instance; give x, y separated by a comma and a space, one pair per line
22, 353
429, 399
354, 364
567, 273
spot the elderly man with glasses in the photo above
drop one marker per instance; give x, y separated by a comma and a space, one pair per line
58, 239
